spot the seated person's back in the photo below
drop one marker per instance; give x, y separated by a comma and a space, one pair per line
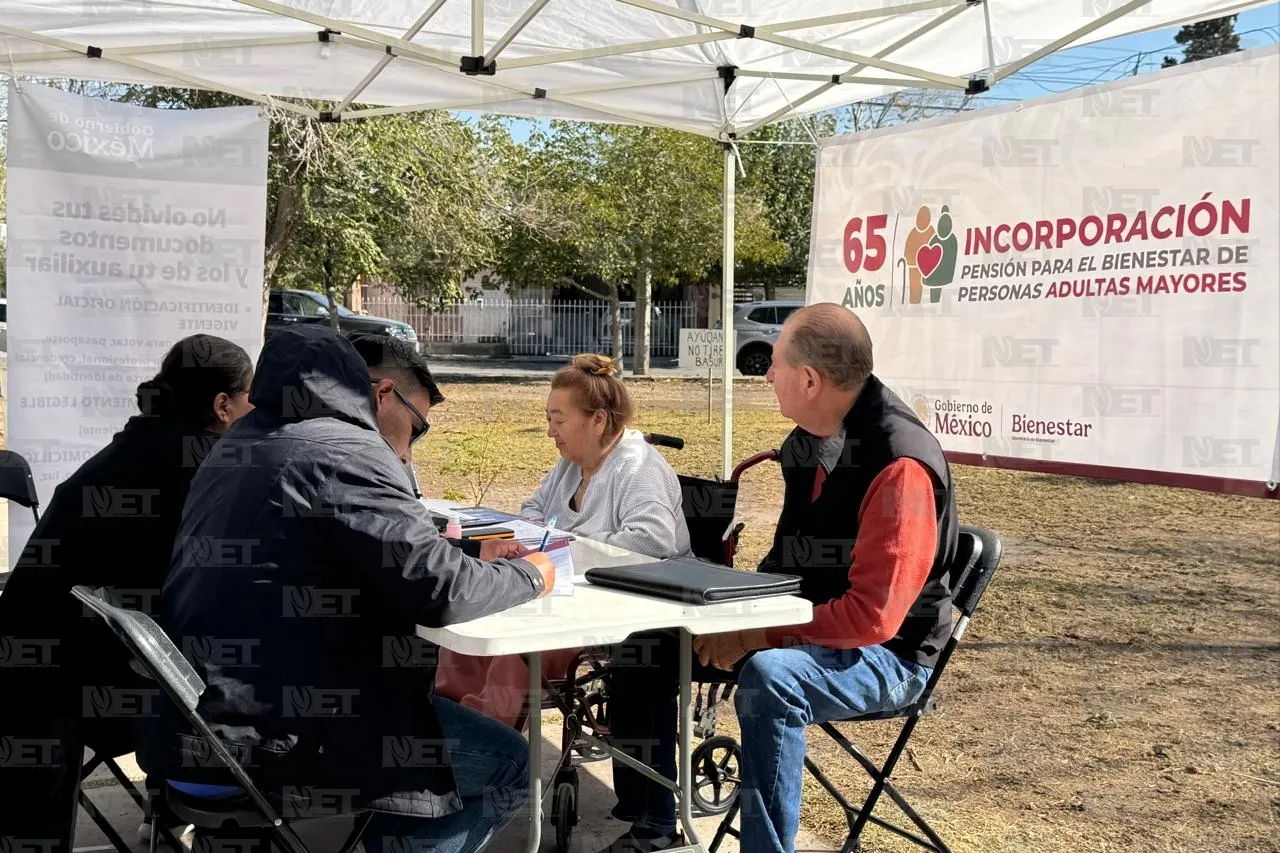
305, 536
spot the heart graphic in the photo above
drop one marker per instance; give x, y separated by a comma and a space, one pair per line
928, 258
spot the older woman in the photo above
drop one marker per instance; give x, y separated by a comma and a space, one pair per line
609, 485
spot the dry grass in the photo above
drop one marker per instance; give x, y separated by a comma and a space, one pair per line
1117, 690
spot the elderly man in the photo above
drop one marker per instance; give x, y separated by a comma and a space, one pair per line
869, 523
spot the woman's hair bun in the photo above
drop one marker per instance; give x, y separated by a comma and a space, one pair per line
154, 396
596, 364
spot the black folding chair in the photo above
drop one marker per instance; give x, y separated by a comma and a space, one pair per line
16, 483
976, 560
160, 660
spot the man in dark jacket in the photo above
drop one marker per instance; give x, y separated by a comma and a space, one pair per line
302, 565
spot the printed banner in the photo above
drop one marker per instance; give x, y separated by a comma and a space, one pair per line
129, 229
1085, 283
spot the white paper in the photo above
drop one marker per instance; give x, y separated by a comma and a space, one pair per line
562, 558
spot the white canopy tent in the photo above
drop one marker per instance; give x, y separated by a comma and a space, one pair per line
716, 68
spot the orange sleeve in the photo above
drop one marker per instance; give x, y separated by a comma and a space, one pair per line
897, 542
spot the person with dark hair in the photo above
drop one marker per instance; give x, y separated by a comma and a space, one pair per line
336, 564
110, 524
395, 365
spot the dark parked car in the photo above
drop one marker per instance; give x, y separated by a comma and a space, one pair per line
286, 307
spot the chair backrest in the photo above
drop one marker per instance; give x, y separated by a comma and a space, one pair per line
708, 507
16, 483
977, 557
150, 646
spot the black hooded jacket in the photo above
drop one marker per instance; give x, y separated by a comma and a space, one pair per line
302, 565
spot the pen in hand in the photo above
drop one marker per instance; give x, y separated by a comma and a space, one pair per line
547, 535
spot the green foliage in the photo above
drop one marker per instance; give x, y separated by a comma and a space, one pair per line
481, 457
621, 203
399, 198
1206, 39
781, 176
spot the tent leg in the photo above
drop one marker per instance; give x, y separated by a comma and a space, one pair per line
726, 312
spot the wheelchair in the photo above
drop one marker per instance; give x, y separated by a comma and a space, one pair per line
581, 695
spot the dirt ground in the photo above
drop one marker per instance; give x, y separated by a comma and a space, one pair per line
1117, 690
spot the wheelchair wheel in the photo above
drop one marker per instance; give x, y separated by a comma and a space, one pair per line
564, 814
595, 702
716, 774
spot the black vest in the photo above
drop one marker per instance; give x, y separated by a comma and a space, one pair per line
815, 539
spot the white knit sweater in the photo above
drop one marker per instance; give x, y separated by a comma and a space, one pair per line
632, 502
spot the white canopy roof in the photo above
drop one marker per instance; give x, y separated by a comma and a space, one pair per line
655, 62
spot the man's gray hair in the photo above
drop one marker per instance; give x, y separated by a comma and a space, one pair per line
832, 340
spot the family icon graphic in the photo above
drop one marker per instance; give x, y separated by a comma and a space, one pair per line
929, 256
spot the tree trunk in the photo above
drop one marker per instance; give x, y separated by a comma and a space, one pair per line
283, 222
331, 292
769, 289
644, 286
615, 323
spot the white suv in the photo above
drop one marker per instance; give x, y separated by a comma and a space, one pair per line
756, 326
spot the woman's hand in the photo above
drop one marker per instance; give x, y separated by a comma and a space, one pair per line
499, 549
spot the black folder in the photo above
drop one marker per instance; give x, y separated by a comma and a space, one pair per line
693, 581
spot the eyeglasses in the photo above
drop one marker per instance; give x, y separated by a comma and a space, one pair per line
424, 425
418, 431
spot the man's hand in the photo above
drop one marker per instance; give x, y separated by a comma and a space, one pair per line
723, 651
547, 568
498, 549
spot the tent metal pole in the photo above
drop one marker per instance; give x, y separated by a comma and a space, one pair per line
477, 27
386, 60
510, 35
900, 43
726, 311
1070, 38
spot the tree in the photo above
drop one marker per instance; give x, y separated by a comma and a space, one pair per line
780, 172
402, 198
1206, 39
629, 204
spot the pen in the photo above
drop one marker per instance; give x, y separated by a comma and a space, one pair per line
547, 536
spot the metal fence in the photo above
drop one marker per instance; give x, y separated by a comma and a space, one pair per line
538, 327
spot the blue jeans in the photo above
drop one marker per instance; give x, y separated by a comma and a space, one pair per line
780, 692
490, 762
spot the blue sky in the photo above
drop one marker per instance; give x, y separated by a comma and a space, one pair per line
1093, 63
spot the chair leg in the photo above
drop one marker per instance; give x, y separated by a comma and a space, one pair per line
726, 825
361, 824
859, 817
127, 784
103, 824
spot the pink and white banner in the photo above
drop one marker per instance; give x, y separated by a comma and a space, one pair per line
1085, 284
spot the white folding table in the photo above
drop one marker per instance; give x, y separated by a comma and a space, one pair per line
595, 616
